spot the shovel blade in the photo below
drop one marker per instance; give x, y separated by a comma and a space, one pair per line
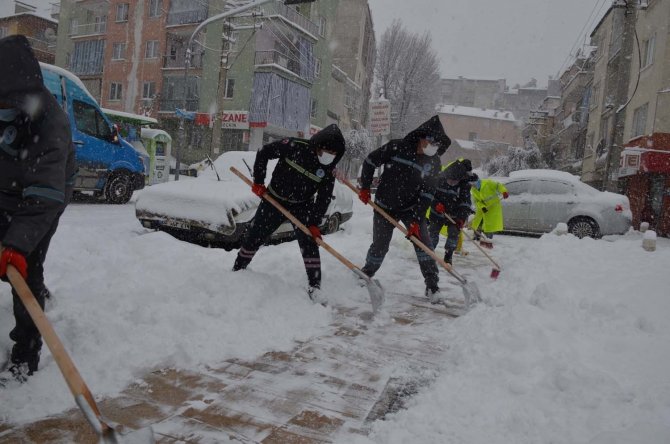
141, 436
471, 294
375, 290
486, 244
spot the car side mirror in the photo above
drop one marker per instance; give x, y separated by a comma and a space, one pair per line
115, 133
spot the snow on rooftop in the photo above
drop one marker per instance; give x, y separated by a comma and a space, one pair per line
482, 113
113, 112
42, 9
466, 144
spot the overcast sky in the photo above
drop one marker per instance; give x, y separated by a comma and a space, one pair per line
513, 39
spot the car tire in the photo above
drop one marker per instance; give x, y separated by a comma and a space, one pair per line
118, 189
583, 227
333, 223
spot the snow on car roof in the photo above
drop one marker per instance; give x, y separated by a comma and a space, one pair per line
545, 174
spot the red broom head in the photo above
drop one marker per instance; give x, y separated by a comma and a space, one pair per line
495, 273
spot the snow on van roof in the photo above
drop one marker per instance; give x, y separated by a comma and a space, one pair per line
65, 73
544, 173
113, 112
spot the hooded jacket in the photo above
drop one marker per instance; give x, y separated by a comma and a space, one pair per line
37, 161
299, 175
407, 181
455, 198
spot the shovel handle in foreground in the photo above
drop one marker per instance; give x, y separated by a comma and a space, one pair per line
470, 290
375, 290
75, 382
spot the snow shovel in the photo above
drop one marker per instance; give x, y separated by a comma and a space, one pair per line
470, 290
495, 271
75, 382
374, 288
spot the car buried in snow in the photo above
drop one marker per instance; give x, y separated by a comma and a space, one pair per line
215, 208
541, 199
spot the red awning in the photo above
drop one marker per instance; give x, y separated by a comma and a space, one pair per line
653, 161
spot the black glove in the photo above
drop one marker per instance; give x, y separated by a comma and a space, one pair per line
485, 210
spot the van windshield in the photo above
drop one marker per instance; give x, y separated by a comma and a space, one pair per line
90, 121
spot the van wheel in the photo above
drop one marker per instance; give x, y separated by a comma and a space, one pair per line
333, 223
118, 189
583, 227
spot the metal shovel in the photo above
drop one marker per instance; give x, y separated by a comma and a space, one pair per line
374, 288
75, 382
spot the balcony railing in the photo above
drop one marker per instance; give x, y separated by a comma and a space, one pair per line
97, 28
303, 70
177, 61
186, 17
41, 45
292, 16
172, 104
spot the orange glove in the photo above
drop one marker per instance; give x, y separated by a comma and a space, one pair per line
364, 195
440, 208
414, 230
9, 256
259, 189
505, 195
316, 233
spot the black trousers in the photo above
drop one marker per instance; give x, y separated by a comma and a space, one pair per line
437, 221
382, 232
265, 222
27, 338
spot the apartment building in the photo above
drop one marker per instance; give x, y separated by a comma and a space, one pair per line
40, 29
477, 93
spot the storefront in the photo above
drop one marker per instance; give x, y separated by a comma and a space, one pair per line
644, 173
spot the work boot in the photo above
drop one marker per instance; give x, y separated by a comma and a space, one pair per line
434, 295
448, 256
316, 295
27, 354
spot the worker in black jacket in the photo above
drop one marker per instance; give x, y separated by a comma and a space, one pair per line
36, 178
405, 192
452, 197
303, 183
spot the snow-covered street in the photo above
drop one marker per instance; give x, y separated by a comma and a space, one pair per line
571, 344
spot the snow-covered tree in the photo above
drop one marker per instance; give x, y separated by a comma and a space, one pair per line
359, 143
516, 158
407, 71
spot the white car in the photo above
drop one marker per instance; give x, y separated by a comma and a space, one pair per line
216, 207
540, 199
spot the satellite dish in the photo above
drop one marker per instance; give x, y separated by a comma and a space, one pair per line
50, 34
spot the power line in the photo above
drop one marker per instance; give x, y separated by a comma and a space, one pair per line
590, 20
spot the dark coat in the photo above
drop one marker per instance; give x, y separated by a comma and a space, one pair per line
299, 175
37, 166
407, 181
455, 198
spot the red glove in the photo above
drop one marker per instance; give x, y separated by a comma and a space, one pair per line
440, 208
316, 233
505, 194
414, 230
10, 256
259, 189
459, 223
364, 195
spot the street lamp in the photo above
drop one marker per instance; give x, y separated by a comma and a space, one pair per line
187, 64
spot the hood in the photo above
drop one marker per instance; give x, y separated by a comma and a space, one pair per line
21, 81
432, 127
459, 170
330, 138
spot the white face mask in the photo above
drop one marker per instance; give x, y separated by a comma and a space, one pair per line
326, 158
430, 150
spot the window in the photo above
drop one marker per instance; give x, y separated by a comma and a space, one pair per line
4, 31
518, 187
115, 91
648, 52
322, 26
118, 51
148, 90
151, 50
639, 121
88, 57
74, 26
313, 109
155, 8
317, 67
89, 121
122, 12
472, 136
551, 187
100, 24
229, 89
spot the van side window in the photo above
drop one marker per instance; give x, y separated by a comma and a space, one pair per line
89, 121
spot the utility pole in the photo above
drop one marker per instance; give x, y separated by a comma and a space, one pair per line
221, 92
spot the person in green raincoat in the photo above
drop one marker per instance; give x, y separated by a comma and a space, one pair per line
486, 195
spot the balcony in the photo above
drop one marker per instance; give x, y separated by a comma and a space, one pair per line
303, 70
293, 16
194, 16
177, 61
170, 105
86, 29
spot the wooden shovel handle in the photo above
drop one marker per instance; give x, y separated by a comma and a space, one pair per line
414, 239
74, 380
297, 223
475, 243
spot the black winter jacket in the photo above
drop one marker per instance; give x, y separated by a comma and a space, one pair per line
37, 161
455, 198
408, 178
299, 175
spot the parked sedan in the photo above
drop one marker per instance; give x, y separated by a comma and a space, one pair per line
540, 199
216, 207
